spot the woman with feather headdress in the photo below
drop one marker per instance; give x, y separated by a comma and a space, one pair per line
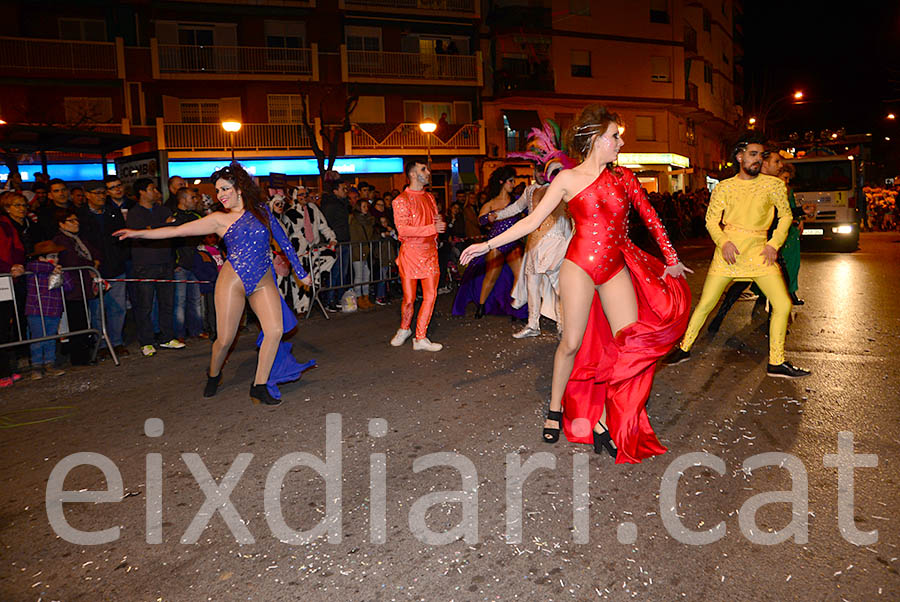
538, 281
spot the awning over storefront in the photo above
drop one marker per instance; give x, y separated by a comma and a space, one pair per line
522, 120
38, 138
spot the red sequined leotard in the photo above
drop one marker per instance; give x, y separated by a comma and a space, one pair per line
614, 371
600, 212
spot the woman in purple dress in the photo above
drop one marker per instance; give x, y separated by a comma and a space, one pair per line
489, 284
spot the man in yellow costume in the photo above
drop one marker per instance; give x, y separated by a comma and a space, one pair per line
741, 209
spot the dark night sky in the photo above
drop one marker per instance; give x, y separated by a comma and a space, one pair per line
845, 56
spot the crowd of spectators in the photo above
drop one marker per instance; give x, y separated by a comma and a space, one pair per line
345, 236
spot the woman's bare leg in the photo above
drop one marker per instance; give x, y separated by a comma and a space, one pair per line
619, 301
514, 259
266, 304
229, 299
620, 308
493, 264
577, 294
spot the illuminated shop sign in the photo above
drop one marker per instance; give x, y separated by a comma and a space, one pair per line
654, 159
70, 172
291, 167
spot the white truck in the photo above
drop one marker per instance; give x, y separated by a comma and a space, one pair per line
829, 189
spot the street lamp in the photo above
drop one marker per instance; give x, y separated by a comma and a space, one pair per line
231, 127
795, 97
891, 116
752, 121
428, 127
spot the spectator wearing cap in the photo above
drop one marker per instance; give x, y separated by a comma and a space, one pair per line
152, 259
83, 296
44, 305
38, 200
99, 218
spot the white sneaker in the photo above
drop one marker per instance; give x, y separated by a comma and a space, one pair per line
400, 337
173, 344
426, 345
528, 331
148, 350
443, 290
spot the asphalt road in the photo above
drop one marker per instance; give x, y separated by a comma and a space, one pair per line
589, 529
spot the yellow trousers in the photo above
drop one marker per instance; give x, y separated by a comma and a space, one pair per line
772, 286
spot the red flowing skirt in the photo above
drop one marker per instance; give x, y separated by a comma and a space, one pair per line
618, 372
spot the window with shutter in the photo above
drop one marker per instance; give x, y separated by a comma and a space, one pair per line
659, 69
199, 111
85, 30
412, 111
644, 128
659, 11
462, 112
363, 38
369, 109
581, 63
285, 108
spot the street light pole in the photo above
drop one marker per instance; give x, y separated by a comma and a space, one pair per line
796, 97
231, 127
428, 127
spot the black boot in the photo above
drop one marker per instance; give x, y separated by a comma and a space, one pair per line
260, 394
796, 300
212, 384
479, 311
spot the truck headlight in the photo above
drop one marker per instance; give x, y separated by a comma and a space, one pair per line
845, 229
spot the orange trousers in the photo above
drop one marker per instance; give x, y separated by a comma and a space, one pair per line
429, 295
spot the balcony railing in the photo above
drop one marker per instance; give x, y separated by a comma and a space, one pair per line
447, 69
466, 138
40, 55
252, 136
227, 61
445, 6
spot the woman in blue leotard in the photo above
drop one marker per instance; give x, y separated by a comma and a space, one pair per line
245, 226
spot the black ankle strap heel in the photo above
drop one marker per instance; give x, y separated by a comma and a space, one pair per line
603, 442
552, 435
212, 384
260, 394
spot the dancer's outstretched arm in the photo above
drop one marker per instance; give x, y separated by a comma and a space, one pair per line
211, 224
526, 225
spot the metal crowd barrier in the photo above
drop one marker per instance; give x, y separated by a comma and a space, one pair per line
378, 257
21, 329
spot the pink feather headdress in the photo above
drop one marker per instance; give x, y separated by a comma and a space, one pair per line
544, 147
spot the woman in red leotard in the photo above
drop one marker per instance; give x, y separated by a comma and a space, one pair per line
624, 309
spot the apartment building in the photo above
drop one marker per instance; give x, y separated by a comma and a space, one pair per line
666, 66
485, 71
174, 71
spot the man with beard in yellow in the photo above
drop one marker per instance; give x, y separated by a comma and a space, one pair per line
741, 209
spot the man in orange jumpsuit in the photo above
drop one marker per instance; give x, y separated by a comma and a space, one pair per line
418, 224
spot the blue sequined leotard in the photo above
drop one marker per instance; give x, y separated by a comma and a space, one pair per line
500, 226
249, 252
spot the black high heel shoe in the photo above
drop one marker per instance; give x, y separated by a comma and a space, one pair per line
212, 384
552, 435
260, 394
479, 311
603, 441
